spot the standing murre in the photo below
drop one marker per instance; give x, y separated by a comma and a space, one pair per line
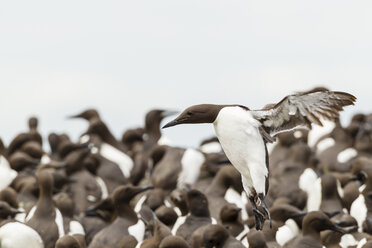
116, 165
198, 215
126, 222
45, 218
243, 133
151, 137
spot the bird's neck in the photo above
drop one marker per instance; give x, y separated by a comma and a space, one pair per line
310, 231
45, 205
219, 186
124, 210
153, 130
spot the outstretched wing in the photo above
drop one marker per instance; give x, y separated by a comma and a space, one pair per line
302, 109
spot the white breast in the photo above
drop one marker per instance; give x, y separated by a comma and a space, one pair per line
324, 144
59, 223
21, 216
307, 179
318, 131
164, 141
212, 147
137, 230
340, 190
45, 159
311, 184
139, 203
314, 196
346, 155
348, 240
178, 223
76, 228
124, 162
287, 232
103, 187
30, 214
16, 235
243, 234
243, 144
7, 174
233, 196
359, 210
191, 162
361, 243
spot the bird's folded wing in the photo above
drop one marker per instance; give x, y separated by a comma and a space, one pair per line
302, 109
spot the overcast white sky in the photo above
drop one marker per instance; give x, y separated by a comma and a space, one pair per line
126, 57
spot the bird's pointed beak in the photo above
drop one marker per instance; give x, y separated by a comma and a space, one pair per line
72, 117
35, 162
171, 124
76, 116
298, 214
179, 120
62, 165
143, 189
339, 229
332, 214
237, 210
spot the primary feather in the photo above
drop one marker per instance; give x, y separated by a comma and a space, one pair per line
302, 109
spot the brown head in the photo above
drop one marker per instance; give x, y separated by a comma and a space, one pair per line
197, 203
67, 241
318, 221
20, 160
173, 242
104, 209
54, 141
229, 213
283, 212
33, 148
256, 239
166, 215
132, 136
215, 236
202, 113
155, 116
32, 123
88, 114
9, 195
65, 204
127, 192
7, 211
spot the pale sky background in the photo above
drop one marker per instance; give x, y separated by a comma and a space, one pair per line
126, 57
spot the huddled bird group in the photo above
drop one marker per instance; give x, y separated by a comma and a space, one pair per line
261, 182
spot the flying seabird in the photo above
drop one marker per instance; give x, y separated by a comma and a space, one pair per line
243, 133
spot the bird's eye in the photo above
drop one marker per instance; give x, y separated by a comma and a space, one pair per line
189, 113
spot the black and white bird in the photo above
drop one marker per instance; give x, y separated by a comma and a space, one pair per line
243, 133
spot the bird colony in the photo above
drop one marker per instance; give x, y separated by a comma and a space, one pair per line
140, 191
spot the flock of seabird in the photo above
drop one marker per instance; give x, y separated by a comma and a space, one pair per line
265, 180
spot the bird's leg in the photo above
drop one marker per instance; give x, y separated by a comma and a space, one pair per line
258, 215
263, 204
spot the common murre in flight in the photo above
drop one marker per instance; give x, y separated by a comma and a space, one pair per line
243, 133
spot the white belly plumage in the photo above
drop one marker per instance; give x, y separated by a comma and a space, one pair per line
240, 138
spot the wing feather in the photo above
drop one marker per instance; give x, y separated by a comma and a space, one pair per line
302, 109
